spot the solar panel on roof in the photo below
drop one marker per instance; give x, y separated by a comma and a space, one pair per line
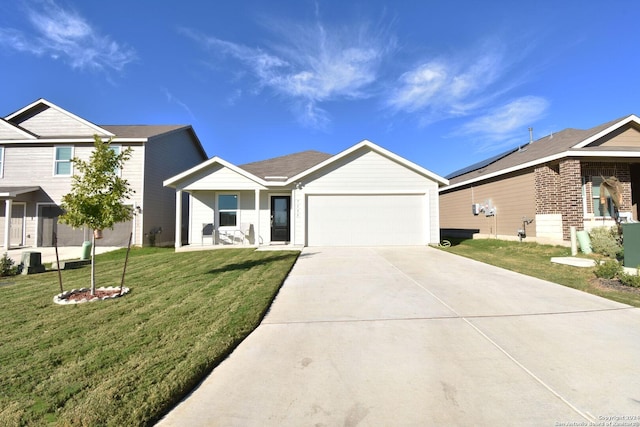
484, 163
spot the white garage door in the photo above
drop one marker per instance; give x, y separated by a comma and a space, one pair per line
367, 220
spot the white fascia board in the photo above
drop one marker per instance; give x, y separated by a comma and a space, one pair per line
61, 110
171, 182
631, 118
18, 130
505, 171
570, 153
624, 154
366, 143
72, 140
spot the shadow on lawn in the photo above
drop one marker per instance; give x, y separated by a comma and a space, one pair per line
246, 265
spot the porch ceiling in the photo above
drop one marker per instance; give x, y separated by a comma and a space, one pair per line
16, 191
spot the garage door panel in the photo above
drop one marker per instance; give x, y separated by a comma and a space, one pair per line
366, 220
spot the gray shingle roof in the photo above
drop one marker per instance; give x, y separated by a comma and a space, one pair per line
140, 131
544, 147
286, 166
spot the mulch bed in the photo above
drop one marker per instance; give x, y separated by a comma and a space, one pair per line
614, 284
86, 294
78, 296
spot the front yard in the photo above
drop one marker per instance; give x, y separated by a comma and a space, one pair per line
128, 361
533, 260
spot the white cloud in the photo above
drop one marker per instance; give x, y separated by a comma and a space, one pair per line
448, 86
171, 98
310, 65
507, 125
505, 119
64, 34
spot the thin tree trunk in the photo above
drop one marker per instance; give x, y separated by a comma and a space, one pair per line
93, 264
55, 242
126, 260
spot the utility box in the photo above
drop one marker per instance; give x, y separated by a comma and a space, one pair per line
631, 243
86, 250
32, 263
475, 208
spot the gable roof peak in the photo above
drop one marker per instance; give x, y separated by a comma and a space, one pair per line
22, 116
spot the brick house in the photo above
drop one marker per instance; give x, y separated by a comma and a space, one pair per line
546, 186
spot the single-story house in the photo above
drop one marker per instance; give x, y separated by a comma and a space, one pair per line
362, 196
540, 190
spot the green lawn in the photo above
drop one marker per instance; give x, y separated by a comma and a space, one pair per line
534, 260
126, 362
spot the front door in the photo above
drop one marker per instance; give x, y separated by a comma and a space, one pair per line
280, 219
17, 224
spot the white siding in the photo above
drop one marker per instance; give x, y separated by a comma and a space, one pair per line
218, 177
368, 172
203, 211
39, 172
53, 123
8, 132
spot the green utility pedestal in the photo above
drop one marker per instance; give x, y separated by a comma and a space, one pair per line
631, 243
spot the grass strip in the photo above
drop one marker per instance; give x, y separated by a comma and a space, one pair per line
129, 360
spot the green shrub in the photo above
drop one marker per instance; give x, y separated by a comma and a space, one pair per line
627, 279
6, 266
608, 269
606, 241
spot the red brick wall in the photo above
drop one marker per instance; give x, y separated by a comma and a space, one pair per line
547, 181
559, 189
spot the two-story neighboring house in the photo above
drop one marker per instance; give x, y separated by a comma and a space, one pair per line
37, 144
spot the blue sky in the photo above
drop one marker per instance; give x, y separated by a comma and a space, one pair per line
442, 83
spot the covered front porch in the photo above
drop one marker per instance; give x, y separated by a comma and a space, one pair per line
223, 218
15, 215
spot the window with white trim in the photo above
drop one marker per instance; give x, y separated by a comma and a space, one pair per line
600, 209
116, 149
227, 210
62, 160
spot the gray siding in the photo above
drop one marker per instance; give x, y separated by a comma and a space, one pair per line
164, 157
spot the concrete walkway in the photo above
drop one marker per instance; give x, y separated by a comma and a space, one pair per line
415, 337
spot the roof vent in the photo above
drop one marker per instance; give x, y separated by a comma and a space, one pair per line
530, 135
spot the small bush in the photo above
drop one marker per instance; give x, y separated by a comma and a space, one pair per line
6, 266
606, 241
608, 269
632, 280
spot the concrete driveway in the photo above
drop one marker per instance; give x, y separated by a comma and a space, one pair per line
414, 337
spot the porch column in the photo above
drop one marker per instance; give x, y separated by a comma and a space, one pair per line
7, 223
256, 228
178, 219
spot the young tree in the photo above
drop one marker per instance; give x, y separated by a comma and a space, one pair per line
97, 194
